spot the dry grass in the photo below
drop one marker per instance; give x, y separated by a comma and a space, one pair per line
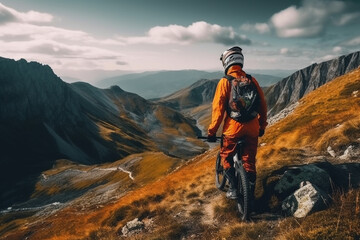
328, 116
340, 221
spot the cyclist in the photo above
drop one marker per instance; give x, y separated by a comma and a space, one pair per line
249, 129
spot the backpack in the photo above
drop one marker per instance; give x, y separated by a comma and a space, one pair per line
244, 99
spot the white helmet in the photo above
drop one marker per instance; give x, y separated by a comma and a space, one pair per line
232, 56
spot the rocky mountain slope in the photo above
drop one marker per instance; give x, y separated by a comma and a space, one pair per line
43, 119
292, 88
185, 204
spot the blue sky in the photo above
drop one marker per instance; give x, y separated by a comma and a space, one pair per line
139, 35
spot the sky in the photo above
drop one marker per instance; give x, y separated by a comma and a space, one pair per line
78, 36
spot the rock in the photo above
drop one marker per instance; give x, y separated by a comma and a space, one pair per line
307, 199
291, 179
331, 151
133, 227
350, 152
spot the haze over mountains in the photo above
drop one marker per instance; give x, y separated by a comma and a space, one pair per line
160, 84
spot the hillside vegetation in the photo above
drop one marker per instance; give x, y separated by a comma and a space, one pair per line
185, 204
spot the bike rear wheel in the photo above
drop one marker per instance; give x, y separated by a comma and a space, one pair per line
220, 178
243, 200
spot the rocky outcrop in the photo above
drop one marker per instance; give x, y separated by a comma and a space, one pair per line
302, 190
307, 199
289, 90
293, 177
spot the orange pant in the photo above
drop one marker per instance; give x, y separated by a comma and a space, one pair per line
249, 132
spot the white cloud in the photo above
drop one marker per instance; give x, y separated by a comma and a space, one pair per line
289, 52
337, 49
257, 27
29, 35
355, 42
311, 19
308, 20
346, 18
11, 15
196, 32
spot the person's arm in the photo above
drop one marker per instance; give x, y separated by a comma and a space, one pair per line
219, 106
262, 108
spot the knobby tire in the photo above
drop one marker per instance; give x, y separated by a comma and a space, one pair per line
243, 200
220, 179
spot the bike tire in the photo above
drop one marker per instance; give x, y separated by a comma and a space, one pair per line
243, 200
220, 179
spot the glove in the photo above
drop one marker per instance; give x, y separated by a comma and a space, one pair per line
211, 138
261, 132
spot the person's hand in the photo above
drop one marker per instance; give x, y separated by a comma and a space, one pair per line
211, 138
261, 132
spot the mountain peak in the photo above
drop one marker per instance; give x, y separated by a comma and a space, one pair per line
290, 89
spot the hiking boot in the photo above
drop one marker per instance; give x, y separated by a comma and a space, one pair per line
230, 175
231, 193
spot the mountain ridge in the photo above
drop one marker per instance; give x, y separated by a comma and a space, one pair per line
290, 89
49, 119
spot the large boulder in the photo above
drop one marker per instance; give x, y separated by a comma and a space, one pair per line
292, 177
307, 199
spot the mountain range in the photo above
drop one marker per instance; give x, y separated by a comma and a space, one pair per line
174, 200
290, 89
151, 85
43, 119
101, 157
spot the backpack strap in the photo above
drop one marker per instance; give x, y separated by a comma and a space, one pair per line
230, 78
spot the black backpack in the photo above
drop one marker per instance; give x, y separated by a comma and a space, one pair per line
244, 99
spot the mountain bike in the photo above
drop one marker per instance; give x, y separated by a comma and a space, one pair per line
243, 185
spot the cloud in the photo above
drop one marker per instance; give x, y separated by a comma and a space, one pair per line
11, 15
257, 27
30, 35
196, 32
311, 19
354, 42
289, 52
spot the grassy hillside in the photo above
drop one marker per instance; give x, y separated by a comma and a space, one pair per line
186, 205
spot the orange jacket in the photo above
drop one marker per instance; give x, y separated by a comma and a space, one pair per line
220, 102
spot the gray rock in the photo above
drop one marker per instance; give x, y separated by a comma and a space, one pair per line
133, 227
291, 179
350, 152
331, 151
307, 199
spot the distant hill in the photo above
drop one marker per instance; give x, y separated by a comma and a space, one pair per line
294, 87
159, 84
43, 119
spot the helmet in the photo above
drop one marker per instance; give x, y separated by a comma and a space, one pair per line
232, 56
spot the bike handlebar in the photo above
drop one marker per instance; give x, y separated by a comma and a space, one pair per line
202, 137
